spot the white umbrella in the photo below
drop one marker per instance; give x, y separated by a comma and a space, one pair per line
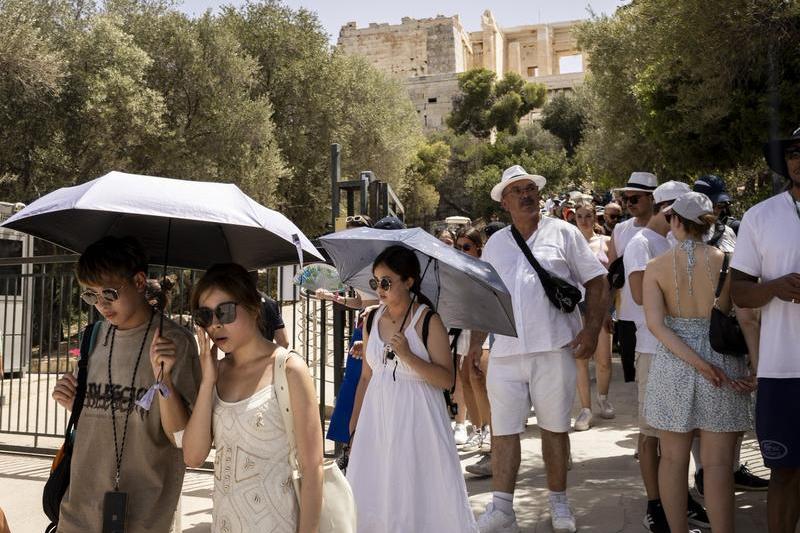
192, 223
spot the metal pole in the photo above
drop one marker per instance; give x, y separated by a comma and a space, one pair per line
336, 174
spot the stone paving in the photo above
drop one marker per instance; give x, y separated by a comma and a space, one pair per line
605, 487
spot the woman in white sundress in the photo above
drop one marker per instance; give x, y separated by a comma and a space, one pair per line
237, 410
404, 470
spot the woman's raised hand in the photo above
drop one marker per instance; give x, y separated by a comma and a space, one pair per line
208, 355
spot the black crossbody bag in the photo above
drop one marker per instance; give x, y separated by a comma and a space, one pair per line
560, 292
58, 482
725, 333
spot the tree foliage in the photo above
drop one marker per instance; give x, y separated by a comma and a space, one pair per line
484, 103
564, 116
253, 96
682, 93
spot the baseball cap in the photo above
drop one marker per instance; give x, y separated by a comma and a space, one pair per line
713, 187
691, 206
669, 191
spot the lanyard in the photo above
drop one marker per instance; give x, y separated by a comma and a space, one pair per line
118, 451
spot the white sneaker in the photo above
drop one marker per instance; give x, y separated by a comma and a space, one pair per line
482, 468
561, 516
460, 434
606, 409
474, 442
584, 420
494, 520
486, 443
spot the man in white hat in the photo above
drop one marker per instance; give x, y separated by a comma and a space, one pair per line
538, 366
637, 198
648, 244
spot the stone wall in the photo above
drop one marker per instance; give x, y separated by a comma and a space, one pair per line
428, 54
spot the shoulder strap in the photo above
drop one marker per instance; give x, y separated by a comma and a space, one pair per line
370, 318
723, 273
282, 356
426, 326
719, 231
541, 272
87, 345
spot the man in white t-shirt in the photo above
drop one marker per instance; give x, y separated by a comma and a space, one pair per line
646, 245
637, 197
766, 275
538, 366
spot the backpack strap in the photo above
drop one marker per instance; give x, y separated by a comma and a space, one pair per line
88, 340
370, 318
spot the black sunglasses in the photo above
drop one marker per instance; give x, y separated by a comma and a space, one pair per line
225, 313
792, 153
466, 247
633, 200
668, 216
108, 294
384, 283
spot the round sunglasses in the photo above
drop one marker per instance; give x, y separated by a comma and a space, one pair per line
108, 294
225, 313
466, 247
384, 283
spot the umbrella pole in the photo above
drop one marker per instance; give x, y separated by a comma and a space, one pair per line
166, 262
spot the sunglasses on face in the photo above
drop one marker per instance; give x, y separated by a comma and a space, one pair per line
108, 294
633, 199
225, 313
466, 247
668, 216
610, 216
384, 283
792, 153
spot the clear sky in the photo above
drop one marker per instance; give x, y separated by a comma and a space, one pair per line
335, 14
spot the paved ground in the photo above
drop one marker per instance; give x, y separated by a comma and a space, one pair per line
605, 487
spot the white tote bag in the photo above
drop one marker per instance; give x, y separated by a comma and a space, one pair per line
338, 506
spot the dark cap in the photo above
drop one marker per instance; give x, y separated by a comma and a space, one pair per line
492, 227
774, 152
389, 223
713, 187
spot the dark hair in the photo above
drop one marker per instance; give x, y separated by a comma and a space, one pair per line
468, 232
159, 291
403, 262
693, 228
111, 258
234, 280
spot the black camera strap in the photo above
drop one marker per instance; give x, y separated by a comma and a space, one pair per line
119, 450
543, 274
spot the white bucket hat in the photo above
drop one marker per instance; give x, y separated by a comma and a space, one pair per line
513, 175
669, 191
691, 206
640, 181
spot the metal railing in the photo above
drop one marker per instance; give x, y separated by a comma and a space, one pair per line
42, 317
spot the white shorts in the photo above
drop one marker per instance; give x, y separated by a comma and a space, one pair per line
546, 380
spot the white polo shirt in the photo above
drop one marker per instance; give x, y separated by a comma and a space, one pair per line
562, 250
623, 233
768, 247
644, 246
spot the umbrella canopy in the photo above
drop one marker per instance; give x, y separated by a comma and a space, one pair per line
468, 293
208, 222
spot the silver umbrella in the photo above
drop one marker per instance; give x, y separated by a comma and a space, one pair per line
468, 293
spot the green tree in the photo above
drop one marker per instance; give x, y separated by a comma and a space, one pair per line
564, 116
418, 191
680, 93
483, 103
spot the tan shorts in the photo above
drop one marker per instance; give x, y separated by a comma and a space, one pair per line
643, 361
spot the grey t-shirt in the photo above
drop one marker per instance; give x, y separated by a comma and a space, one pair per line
152, 467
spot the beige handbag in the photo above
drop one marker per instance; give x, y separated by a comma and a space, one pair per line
338, 506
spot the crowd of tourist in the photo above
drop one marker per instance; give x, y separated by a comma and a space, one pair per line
660, 268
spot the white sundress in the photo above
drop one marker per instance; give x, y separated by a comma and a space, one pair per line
404, 468
252, 492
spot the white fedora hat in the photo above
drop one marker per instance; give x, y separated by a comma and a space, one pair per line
513, 175
640, 181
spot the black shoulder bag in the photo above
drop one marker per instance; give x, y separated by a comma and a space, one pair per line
725, 332
560, 292
57, 483
616, 273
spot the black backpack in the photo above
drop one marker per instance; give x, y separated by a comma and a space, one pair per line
455, 332
58, 482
